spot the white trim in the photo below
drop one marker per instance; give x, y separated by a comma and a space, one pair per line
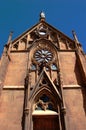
9, 87
74, 85
42, 112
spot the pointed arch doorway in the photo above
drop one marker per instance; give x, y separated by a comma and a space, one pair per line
45, 117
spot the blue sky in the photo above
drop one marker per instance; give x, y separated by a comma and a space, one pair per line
20, 15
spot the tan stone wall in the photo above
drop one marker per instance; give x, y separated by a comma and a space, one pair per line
16, 71
75, 101
11, 109
69, 68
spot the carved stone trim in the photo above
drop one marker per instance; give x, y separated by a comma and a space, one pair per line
13, 87
71, 86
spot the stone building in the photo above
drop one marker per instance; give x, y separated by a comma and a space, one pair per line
42, 81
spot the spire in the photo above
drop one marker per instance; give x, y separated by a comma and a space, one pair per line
8, 45
42, 15
75, 37
10, 37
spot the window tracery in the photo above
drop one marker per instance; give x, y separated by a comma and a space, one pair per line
43, 55
44, 103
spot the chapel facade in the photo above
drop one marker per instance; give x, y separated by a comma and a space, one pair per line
43, 81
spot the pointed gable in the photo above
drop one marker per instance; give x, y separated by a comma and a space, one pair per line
42, 30
45, 83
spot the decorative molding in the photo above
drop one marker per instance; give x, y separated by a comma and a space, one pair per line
72, 86
63, 50
13, 87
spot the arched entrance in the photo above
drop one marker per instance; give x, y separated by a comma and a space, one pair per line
45, 116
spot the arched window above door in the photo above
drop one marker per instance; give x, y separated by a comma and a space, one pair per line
44, 103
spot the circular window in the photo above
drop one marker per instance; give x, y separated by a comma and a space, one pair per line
43, 56
42, 32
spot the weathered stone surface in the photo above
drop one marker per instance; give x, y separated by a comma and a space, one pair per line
17, 68
69, 68
75, 101
11, 109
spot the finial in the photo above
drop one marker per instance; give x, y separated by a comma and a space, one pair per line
75, 37
42, 15
10, 37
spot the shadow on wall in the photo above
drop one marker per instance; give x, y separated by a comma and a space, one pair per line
78, 73
81, 81
84, 98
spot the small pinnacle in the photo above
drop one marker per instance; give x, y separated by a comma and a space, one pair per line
75, 37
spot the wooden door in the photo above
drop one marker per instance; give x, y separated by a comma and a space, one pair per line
46, 122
